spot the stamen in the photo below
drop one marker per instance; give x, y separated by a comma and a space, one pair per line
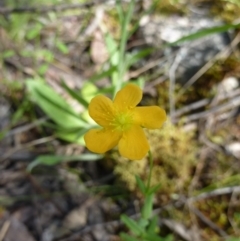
122, 120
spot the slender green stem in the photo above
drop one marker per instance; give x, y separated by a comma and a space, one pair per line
124, 36
151, 168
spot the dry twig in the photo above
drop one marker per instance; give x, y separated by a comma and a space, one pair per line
26, 127
207, 221
204, 102
214, 193
4, 229
27, 145
232, 103
222, 55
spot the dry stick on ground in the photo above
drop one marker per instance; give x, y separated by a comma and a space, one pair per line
207, 221
204, 139
204, 102
172, 78
26, 127
155, 82
232, 103
221, 191
78, 233
230, 219
222, 55
27, 145
214, 193
26, 70
148, 66
192, 186
176, 228
46, 9
203, 218
4, 229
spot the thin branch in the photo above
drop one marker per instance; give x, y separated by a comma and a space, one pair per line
26, 127
232, 103
214, 193
172, 77
208, 222
231, 217
8, 153
222, 55
4, 229
204, 102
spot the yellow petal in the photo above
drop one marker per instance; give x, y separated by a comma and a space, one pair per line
128, 97
151, 117
133, 144
101, 140
101, 110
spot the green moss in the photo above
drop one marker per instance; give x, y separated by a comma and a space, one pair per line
173, 156
169, 7
227, 10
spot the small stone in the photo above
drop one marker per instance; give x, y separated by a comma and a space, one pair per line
76, 218
234, 149
228, 84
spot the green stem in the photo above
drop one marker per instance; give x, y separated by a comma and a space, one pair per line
151, 168
124, 36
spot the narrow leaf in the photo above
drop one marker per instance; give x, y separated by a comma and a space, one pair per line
75, 94
154, 189
131, 224
103, 74
132, 59
141, 184
54, 105
147, 207
205, 32
143, 223
127, 237
152, 225
153, 237
51, 160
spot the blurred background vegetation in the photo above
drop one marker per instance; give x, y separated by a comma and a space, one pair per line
56, 55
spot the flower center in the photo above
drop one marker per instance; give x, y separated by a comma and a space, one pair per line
122, 121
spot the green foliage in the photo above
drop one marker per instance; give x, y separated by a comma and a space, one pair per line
205, 32
62, 46
132, 225
148, 206
50, 160
141, 185
54, 105
146, 228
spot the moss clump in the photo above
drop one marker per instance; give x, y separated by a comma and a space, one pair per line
126, 171
226, 10
169, 7
174, 153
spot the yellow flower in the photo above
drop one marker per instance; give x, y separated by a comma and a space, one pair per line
122, 123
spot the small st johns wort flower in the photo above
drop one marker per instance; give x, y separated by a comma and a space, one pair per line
122, 122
